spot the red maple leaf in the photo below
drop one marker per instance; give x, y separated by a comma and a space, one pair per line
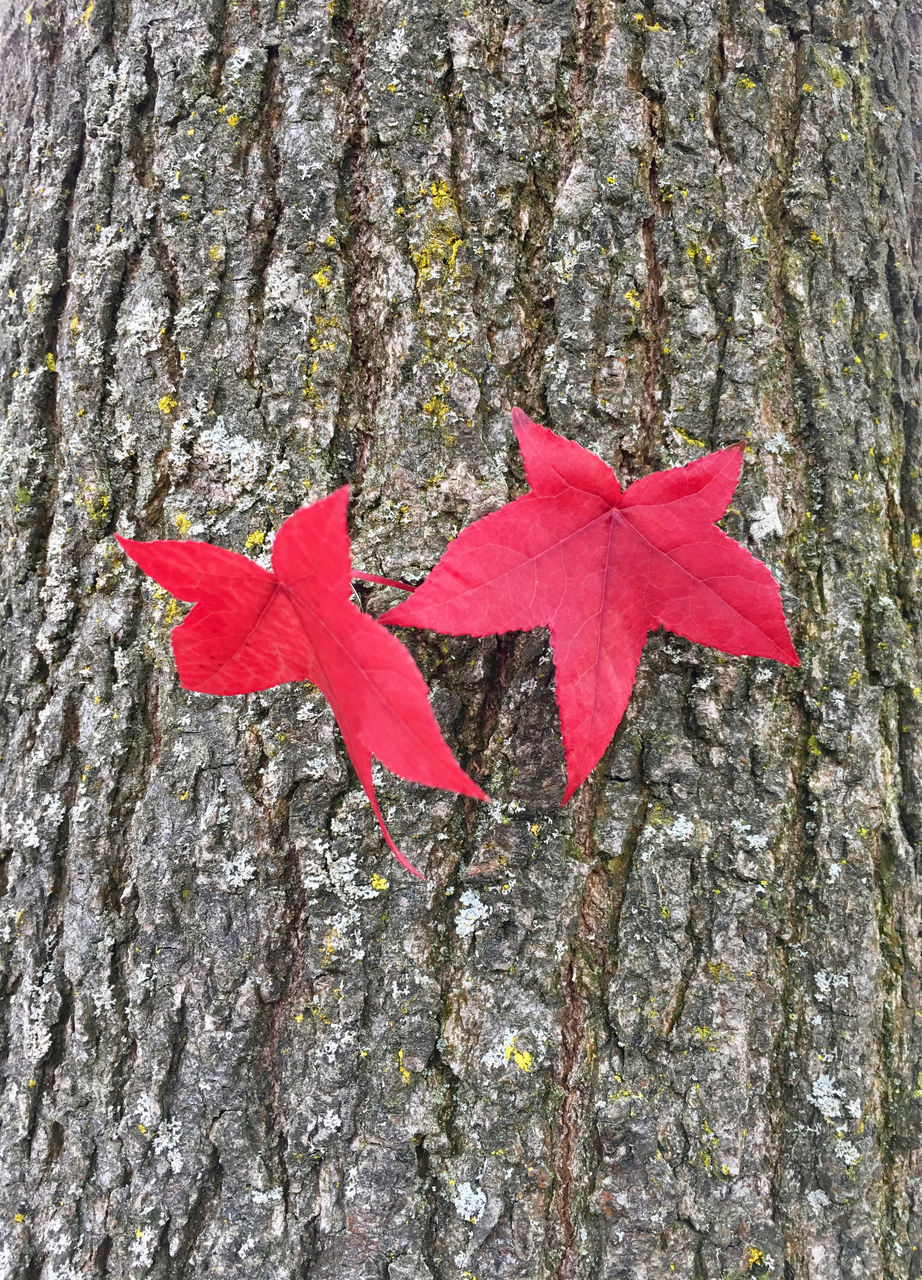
602, 569
252, 629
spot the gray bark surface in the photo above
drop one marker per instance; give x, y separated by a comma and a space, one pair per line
250, 252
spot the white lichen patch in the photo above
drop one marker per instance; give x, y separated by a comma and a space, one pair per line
847, 1152
240, 458
38, 1005
148, 1112
271, 1196
827, 1096
143, 1247
827, 983
166, 1143
396, 46
503, 813
564, 266
141, 325
57, 1266
472, 914
239, 869
776, 443
469, 1201
682, 829
766, 521
818, 1200
341, 936
284, 288
329, 1123
752, 839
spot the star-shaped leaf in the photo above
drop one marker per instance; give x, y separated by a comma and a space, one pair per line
603, 568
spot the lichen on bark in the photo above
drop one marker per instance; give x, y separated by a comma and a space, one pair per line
254, 251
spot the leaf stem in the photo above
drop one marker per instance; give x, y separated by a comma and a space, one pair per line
384, 582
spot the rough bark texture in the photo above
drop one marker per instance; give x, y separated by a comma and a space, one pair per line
250, 253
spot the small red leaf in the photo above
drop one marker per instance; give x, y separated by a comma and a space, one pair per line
602, 569
252, 629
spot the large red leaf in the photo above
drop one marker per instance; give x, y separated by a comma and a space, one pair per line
602, 569
252, 629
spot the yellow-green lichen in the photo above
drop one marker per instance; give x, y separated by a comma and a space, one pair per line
328, 947
689, 439
94, 500
521, 1057
439, 251
437, 409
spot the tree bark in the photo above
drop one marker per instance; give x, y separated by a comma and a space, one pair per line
251, 252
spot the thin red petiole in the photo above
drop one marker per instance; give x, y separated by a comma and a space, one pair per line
383, 582
404, 862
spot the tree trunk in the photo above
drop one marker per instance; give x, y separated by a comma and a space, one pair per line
251, 252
